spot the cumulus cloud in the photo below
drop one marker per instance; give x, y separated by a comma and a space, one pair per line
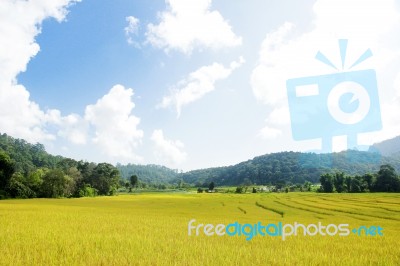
198, 84
116, 129
71, 127
20, 23
186, 25
289, 53
168, 151
132, 30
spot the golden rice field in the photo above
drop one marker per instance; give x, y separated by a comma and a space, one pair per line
152, 229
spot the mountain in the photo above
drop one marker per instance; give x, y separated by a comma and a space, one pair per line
274, 168
390, 147
150, 174
294, 167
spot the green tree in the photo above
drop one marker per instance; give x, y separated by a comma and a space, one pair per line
6, 169
356, 184
307, 185
17, 187
369, 179
134, 180
327, 182
211, 186
127, 186
339, 183
348, 181
239, 190
105, 179
35, 179
87, 191
387, 180
55, 184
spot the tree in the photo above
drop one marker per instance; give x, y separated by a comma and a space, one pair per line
54, 184
338, 181
199, 190
369, 179
211, 186
387, 180
87, 191
35, 179
6, 169
356, 185
348, 181
254, 190
307, 185
327, 182
105, 179
127, 185
239, 190
17, 187
133, 180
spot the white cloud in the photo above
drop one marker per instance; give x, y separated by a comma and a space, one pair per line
132, 30
198, 84
20, 23
190, 24
287, 53
71, 127
116, 129
168, 151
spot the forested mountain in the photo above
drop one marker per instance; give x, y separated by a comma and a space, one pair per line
28, 171
390, 147
150, 174
293, 167
33, 168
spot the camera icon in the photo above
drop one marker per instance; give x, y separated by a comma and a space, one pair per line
339, 104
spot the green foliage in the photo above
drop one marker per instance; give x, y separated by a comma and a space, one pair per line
26, 156
327, 183
239, 190
105, 178
338, 181
133, 180
27, 170
290, 167
6, 169
17, 187
387, 180
55, 184
87, 191
151, 175
211, 186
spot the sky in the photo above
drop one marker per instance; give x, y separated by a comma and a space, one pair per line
185, 84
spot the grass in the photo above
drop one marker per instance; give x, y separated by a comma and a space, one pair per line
151, 229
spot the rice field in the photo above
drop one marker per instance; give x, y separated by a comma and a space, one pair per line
152, 229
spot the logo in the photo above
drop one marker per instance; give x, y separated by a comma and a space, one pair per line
340, 104
249, 231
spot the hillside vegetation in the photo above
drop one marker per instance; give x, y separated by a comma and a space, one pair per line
27, 170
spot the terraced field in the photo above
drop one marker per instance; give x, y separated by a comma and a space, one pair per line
152, 229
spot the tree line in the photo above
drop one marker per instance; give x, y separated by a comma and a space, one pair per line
28, 171
285, 168
385, 180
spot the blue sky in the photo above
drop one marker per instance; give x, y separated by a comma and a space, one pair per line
184, 84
